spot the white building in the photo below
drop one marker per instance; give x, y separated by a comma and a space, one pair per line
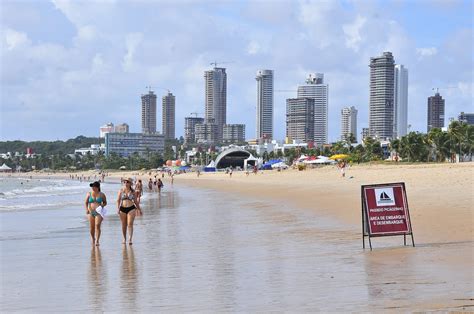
317, 90
93, 150
348, 123
108, 128
400, 123
264, 104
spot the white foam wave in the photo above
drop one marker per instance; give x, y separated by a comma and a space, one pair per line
39, 191
38, 206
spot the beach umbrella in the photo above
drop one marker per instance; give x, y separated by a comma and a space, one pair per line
339, 156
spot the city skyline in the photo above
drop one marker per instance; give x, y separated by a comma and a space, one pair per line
63, 58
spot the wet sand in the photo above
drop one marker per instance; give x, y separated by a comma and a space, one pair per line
441, 205
271, 242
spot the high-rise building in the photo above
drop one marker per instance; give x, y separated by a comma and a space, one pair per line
149, 113
216, 98
381, 105
300, 119
206, 132
365, 133
125, 144
264, 104
190, 129
121, 128
349, 123
107, 128
168, 116
435, 112
234, 133
317, 90
466, 118
400, 114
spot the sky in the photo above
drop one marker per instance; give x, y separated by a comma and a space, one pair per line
68, 67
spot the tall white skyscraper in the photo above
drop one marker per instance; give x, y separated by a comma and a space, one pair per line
349, 123
381, 104
216, 98
264, 104
400, 110
317, 90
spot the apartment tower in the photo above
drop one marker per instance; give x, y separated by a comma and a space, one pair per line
168, 116
264, 104
149, 113
381, 98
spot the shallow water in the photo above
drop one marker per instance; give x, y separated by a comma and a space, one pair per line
201, 250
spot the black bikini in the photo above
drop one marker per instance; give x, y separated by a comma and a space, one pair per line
130, 197
126, 210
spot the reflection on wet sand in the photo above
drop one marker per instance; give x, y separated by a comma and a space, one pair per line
98, 280
129, 280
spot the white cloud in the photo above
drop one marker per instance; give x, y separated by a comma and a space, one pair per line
131, 42
15, 39
353, 32
118, 48
426, 52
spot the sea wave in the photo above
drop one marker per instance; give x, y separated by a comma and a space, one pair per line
28, 206
42, 191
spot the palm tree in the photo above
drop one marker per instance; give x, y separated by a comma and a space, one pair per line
455, 136
439, 144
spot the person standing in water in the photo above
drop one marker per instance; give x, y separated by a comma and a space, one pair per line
160, 185
95, 203
139, 189
128, 208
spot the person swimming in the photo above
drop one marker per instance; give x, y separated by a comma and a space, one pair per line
95, 203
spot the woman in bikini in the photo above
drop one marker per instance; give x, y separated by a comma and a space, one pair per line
128, 208
95, 203
139, 189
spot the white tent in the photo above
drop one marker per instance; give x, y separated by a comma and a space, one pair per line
212, 164
251, 158
5, 168
302, 157
280, 164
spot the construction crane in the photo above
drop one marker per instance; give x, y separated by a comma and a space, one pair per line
215, 63
438, 88
285, 90
150, 87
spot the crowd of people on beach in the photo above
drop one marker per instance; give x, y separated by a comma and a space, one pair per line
82, 177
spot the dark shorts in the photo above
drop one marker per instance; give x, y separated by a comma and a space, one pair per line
126, 210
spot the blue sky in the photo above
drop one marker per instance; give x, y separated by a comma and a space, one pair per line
68, 67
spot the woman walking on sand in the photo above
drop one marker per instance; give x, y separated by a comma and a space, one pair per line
95, 210
128, 208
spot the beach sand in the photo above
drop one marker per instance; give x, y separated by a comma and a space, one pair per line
276, 241
440, 198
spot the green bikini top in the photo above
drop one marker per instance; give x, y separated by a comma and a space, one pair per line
95, 200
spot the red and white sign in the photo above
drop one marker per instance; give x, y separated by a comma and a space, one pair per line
386, 209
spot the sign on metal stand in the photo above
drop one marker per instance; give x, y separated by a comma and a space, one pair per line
385, 212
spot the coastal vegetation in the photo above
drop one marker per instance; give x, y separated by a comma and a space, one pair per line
435, 146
